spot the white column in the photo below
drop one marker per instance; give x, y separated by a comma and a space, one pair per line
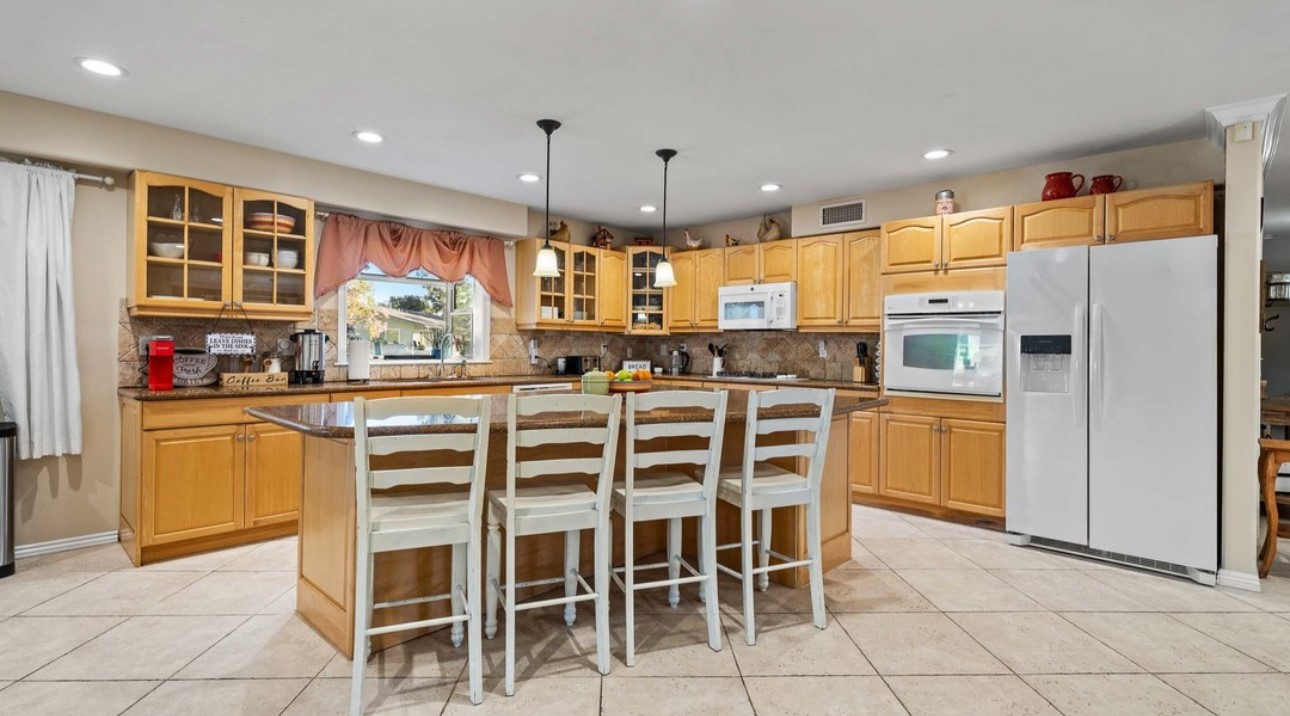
1241, 129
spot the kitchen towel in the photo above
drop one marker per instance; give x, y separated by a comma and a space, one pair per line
40, 385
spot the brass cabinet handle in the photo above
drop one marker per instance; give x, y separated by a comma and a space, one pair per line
1110, 238
252, 437
239, 437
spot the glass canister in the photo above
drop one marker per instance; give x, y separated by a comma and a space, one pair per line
945, 201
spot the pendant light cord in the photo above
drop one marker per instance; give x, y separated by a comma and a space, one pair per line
548, 188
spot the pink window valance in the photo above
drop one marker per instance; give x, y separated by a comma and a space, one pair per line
349, 243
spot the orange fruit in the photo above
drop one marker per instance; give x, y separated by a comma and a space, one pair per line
610, 374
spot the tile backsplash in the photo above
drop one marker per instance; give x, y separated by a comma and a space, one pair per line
761, 351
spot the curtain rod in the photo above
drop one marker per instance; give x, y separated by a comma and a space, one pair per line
104, 180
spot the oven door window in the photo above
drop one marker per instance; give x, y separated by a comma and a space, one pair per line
753, 310
957, 352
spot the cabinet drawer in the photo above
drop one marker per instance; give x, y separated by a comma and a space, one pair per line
159, 414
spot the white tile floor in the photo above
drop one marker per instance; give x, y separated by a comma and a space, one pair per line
928, 618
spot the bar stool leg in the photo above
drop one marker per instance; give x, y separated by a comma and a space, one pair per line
572, 546
763, 551
494, 575
362, 622
701, 560
602, 593
813, 549
475, 657
750, 629
674, 560
708, 566
510, 613
629, 584
458, 584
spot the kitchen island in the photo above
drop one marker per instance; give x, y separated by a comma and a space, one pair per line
325, 577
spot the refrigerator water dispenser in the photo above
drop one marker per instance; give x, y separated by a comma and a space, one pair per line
1046, 364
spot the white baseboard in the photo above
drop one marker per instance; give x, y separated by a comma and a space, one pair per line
37, 549
1248, 581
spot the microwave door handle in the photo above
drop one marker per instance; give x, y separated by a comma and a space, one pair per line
1081, 396
1096, 368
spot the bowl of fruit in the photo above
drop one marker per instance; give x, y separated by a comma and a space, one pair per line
628, 381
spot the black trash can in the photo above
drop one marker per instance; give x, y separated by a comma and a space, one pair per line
8, 444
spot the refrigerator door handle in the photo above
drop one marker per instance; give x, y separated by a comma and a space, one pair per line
1096, 368
1077, 352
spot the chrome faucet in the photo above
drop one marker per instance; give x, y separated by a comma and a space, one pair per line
450, 339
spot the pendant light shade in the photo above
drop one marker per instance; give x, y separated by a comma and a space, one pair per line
664, 275
547, 264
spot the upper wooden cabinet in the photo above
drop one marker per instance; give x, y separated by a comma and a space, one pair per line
1166, 213
584, 286
777, 261
612, 290
1077, 221
911, 245
198, 248
648, 306
694, 297
972, 239
541, 302
864, 279
741, 265
822, 275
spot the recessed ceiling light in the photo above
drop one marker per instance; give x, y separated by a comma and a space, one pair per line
368, 136
771, 187
649, 208
530, 177
100, 67
937, 153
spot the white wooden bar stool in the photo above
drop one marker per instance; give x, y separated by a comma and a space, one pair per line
555, 508
759, 487
672, 495
388, 522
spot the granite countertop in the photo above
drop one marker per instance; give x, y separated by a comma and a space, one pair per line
336, 420
214, 391
798, 382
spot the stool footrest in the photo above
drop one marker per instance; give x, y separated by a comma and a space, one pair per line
390, 628
554, 601
668, 582
786, 565
415, 600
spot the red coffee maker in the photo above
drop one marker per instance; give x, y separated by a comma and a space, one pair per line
161, 363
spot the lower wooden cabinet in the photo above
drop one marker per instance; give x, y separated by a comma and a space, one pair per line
863, 448
274, 456
949, 462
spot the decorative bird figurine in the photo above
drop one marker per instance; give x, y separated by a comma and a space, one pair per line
769, 230
731, 241
694, 241
561, 233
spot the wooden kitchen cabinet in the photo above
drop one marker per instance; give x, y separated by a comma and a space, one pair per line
583, 286
274, 456
973, 239
192, 483
909, 464
822, 288
709, 275
1078, 221
612, 290
777, 261
863, 449
863, 252
284, 288
911, 245
1165, 213
972, 465
741, 265
682, 314
648, 306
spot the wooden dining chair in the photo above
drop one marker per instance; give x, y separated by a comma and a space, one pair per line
757, 487
399, 521
1272, 453
567, 506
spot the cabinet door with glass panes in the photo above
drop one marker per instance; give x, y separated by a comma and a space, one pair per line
273, 254
181, 235
552, 293
647, 304
584, 284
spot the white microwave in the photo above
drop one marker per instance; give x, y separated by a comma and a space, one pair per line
757, 307
944, 343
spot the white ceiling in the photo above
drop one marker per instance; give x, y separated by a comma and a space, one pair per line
829, 98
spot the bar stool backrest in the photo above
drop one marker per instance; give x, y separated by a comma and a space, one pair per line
813, 451
657, 426
471, 413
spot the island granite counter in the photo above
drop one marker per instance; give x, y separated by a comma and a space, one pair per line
325, 578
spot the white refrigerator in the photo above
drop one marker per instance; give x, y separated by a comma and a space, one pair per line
1113, 402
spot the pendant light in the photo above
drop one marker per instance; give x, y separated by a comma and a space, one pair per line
664, 276
547, 265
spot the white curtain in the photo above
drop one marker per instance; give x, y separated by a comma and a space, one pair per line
40, 386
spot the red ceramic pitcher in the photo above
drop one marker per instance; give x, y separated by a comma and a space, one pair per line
1105, 184
1061, 185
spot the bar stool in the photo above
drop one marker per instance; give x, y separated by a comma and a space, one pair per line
672, 496
759, 487
389, 522
552, 509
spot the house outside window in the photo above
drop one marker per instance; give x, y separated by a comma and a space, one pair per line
407, 318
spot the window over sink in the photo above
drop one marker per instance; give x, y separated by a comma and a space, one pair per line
408, 318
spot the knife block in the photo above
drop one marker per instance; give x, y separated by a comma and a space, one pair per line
860, 372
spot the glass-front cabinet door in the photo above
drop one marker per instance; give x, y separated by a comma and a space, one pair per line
181, 234
274, 252
553, 305
647, 305
585, 265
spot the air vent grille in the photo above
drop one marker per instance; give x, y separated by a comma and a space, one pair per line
1143, 562
851, 212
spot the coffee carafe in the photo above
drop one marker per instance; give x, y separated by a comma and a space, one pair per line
311, 356
680, 361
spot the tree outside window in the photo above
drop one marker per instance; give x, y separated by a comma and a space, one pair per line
408, 318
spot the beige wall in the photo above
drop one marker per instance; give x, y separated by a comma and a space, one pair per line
78, 495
